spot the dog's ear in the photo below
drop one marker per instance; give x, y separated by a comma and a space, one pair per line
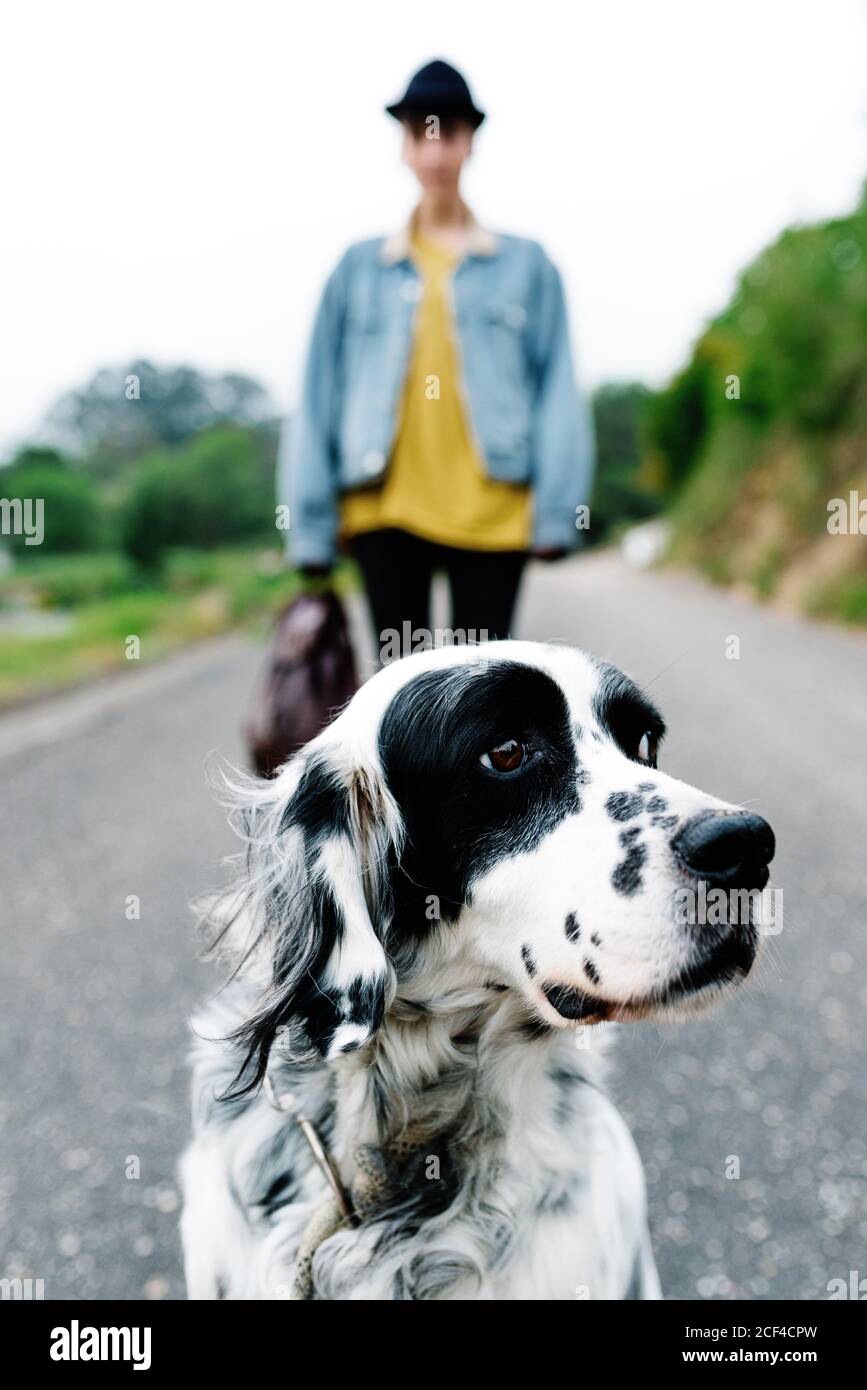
316, 892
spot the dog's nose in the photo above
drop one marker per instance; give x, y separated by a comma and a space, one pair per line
732, 849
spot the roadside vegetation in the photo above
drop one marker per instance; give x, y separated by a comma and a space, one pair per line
159, 524
767, 424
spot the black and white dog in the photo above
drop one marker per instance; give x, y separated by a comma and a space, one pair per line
398, 1096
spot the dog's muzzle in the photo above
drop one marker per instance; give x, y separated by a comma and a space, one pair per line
727, 853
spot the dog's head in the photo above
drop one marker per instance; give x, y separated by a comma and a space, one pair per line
493, 816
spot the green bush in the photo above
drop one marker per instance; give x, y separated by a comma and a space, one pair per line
188, 571
621, 492
793, 334
676, 420
70, 580
72, 514
218, 489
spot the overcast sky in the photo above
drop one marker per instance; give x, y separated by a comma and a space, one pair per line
180, 177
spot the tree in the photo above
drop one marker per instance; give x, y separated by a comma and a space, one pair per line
621, 492
123, 412
216, 489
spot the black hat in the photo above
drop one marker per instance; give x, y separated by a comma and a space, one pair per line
437, 89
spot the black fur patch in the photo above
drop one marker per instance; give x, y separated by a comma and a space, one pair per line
319, 806
299, 960
596, 939
572, 928
626, 878
567, 1083
625, 713
624, 805
656, 804
626, 837
460, 817
421, 1009
306, 927
529, 963
591, 972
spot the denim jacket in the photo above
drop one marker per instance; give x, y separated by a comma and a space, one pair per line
528, 419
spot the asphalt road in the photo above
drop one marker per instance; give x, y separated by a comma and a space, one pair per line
103, 796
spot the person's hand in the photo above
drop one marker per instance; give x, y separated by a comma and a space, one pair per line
549, 553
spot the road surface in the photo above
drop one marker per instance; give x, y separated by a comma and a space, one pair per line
104, 798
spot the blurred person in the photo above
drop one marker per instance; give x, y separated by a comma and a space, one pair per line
440, 425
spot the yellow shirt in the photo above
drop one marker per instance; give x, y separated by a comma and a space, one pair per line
436, 485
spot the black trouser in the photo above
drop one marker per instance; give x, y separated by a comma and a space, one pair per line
397, 569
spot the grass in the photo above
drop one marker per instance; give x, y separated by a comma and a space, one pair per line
844, 598
105, 600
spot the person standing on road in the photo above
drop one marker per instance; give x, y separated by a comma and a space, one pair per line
440, 425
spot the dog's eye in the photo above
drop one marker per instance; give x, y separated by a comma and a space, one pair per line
648, 749
508, 756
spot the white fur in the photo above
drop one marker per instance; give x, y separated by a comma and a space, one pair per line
554, 1207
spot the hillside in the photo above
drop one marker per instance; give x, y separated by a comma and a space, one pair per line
767, 424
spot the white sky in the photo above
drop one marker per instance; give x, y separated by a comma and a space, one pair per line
180, 177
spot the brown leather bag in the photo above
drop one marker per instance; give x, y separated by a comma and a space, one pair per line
310, 675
